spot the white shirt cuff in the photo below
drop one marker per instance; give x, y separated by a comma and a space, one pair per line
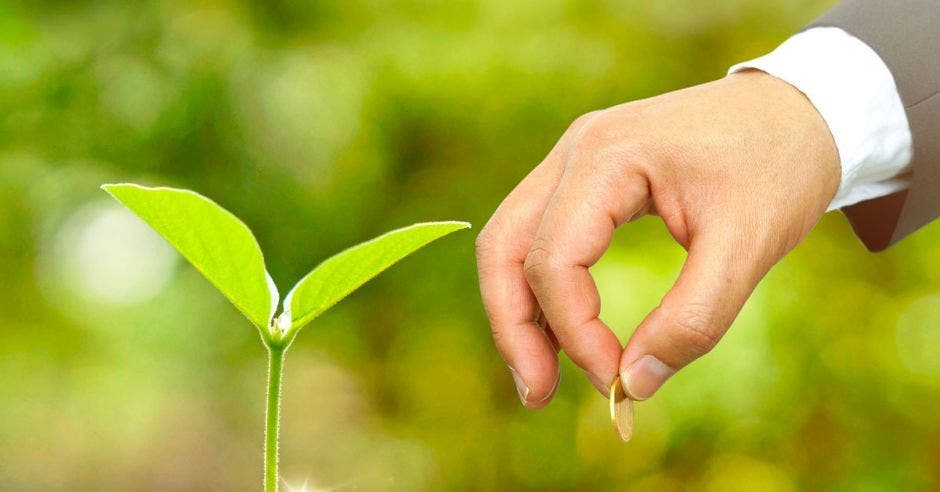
854, 91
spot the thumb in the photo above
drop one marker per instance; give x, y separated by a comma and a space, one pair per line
718, 276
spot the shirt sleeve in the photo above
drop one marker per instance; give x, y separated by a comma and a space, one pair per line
855, 93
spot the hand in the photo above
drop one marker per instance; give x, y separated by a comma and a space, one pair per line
739, 170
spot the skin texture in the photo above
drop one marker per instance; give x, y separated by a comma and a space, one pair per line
739, 169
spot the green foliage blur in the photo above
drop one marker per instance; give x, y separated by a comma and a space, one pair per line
322, 124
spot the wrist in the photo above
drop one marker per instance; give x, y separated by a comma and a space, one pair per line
785, 114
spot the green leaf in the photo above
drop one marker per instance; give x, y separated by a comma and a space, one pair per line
340, 275
219, 245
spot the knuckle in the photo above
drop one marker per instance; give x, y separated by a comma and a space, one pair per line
612, 142
696, 329
595, 134
540, 262
484, 240
582, 120
487, 241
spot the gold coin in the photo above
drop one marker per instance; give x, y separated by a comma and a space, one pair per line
621, 411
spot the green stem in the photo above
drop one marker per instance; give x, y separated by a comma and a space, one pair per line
275, 370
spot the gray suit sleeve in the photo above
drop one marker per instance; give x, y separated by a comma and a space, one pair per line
906, 34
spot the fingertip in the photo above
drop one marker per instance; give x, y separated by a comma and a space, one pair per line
540, 396
531, 360
642, 378
521, 387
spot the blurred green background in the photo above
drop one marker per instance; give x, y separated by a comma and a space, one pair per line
322, 124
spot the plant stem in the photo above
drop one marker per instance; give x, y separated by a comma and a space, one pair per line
275, 370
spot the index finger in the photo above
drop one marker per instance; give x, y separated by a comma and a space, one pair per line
591, 201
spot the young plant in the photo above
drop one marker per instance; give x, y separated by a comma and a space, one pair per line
224, 250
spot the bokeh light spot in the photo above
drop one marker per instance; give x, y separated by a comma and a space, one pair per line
103, 253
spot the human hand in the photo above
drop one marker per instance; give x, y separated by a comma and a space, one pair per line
739, 170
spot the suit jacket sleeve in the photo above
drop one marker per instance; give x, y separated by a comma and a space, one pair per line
906, 34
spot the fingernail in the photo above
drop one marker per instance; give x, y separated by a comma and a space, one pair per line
598, 383
644, 377
520, 386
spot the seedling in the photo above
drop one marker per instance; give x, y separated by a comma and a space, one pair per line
224, 250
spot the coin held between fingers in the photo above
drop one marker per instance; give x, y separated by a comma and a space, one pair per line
621, 411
